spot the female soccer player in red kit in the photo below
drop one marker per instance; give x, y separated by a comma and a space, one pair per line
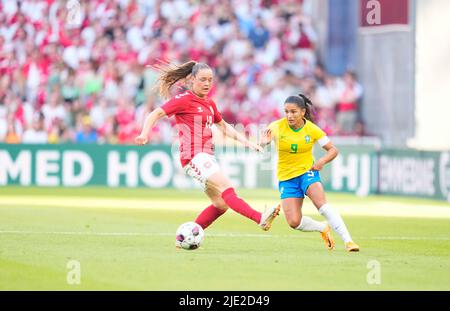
195, 113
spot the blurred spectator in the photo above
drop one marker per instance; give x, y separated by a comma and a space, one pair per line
258, 35
11, 135
347, 106
90, 81
86, 134
3, 123
53, 110
325, 100
35, 133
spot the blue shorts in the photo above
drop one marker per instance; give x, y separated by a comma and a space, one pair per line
296, 187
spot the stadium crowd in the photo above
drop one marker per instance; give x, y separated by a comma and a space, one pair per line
88, 77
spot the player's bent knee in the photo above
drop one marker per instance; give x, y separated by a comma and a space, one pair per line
218, 187
294, 223
218, 182
223, 208
219, 204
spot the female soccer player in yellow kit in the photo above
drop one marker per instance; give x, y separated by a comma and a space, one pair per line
298, 173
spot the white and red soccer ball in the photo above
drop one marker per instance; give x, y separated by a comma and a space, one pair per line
189, 236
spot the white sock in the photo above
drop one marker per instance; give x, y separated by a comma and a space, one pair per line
336, 222
307, 224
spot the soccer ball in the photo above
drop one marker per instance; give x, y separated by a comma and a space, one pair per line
189, 236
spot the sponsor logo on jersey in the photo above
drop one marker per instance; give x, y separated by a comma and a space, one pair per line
199, 109
307, 139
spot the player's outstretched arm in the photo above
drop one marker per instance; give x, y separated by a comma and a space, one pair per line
266, 138
332, 153
229, 131
149, 122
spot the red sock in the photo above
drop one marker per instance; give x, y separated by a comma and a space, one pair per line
208, 215
240, 206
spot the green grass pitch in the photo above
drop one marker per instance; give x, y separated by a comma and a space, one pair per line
124, 239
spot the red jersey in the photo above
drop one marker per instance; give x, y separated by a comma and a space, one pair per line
194, 117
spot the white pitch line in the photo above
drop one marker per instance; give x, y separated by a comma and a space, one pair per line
227, 235
381, 209
412, 238
130, 233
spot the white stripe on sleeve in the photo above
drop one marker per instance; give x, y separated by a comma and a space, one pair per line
323, 141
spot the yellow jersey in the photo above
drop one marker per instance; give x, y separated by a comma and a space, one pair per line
294, 147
